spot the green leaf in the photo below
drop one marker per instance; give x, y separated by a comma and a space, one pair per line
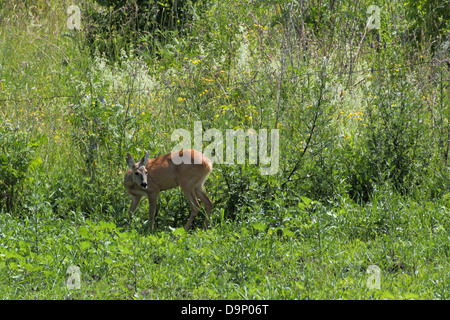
30, 267
108, 260
179, 232
124, 249
35, 164
288, 233
259, 226
85, 245
387, 295
83, 231
90, 223
13, 254
306, 200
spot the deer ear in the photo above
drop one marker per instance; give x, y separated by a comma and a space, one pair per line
145, 158
130, 161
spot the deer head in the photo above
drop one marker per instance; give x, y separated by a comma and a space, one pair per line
139, 172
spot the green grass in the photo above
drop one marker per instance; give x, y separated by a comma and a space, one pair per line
229, 261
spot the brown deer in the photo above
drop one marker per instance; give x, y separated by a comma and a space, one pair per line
150, 176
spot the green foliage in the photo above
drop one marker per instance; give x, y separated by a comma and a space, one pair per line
246, 261
16, 157
392, 149
429, 19
98, 129
140, 25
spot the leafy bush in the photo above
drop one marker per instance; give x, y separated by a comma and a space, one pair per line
429, 19
126, 24
17, 153
397, 135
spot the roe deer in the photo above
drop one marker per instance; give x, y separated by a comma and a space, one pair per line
150, 176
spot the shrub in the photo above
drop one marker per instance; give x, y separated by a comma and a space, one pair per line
125, 24
17, 150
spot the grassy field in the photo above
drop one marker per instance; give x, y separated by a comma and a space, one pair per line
323, 260
363, 119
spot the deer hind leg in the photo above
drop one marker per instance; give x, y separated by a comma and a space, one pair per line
193, 204
201, 194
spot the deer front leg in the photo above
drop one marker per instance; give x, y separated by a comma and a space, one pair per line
152, 209
134, 203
